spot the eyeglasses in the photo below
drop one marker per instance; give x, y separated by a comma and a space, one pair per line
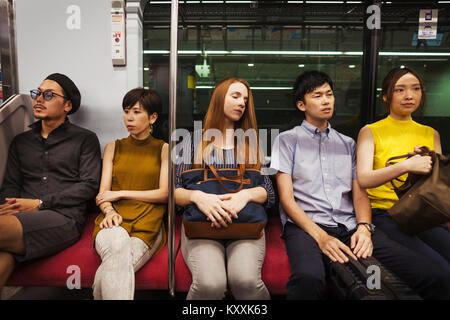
47, 95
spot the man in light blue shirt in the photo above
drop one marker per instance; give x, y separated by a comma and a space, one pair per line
325, 213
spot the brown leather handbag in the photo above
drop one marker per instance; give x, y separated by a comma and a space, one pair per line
251, 219
424, 200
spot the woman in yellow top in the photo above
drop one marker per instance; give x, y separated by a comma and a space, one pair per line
397, 134
132, 197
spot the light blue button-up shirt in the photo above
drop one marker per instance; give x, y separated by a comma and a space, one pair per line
322, 165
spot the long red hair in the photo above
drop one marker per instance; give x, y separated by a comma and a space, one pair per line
214, 119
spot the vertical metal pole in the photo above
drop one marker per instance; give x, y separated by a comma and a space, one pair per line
370, 69
172, 128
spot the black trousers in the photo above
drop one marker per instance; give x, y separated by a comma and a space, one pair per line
433, 243
309, 266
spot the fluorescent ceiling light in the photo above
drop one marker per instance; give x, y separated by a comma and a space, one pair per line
325, 2
333, 53
271, 88
351, 66
312, 53
251, 64
217, 52
432, 54
301, 65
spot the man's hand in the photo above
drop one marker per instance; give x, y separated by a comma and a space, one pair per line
335, 249
16, 205
10, 207
361, 242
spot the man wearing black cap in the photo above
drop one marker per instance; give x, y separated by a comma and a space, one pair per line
53, 170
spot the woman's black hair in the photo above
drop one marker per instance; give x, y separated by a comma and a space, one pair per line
148, 99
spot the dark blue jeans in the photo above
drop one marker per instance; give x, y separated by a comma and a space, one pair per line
309, 266
433, 243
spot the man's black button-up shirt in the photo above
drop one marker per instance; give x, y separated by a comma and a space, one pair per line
62, 170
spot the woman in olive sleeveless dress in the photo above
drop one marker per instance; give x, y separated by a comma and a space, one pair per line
133, 193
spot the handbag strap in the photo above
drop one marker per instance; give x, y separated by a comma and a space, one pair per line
240, 176
424, 151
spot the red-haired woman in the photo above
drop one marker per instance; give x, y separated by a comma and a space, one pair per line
214, 264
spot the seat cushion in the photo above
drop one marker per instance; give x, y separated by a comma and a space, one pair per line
276, 267
55, 270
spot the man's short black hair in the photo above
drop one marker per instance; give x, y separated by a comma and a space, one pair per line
307, 82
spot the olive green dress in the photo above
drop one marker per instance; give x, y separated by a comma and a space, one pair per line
136, 166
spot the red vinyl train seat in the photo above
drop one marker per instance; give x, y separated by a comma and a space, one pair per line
53, 271
276, 268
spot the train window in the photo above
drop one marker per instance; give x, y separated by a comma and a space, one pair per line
400, 46
268, 45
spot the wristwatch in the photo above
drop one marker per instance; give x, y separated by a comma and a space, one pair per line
369, 226
41, 204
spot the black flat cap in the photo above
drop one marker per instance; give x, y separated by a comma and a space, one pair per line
70, 89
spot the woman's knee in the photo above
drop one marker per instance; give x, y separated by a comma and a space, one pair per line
245, 285
112, 241
204, 288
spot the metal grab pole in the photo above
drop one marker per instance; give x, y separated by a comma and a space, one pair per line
172, 128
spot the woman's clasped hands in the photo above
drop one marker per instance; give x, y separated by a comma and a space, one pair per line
220, 209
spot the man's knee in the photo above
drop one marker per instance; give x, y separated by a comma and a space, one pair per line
11, 235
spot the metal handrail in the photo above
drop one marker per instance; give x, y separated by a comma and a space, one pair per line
172, 128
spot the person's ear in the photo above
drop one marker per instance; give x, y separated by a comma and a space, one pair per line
301, 105
153, 117
384, 98
68, 106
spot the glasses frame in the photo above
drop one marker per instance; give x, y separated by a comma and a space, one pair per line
38, 93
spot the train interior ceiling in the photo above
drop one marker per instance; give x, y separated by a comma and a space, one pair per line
267, 43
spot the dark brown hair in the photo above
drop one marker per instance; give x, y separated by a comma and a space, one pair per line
391, 79
148, 99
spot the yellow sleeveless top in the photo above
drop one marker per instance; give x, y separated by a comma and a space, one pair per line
136, 166
393, 138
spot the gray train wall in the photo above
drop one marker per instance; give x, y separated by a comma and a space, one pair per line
74, 37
